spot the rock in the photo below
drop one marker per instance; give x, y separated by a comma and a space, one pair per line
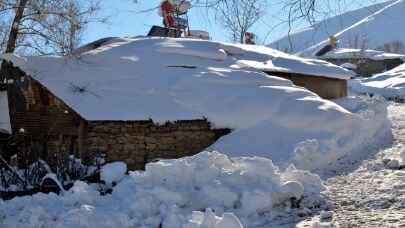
326, 215
386, 160
304, 212
393, 164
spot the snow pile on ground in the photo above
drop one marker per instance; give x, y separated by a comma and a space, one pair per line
210, 220
5, 126
113, 172
374, 31
318, 142
241, 190
350, 53
302, 39
390, 84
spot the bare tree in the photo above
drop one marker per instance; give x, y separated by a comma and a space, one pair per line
44, 26
238, 16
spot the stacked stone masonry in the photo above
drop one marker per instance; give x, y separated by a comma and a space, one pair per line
139, 142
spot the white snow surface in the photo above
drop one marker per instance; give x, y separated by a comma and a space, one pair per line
317, 143
241, 192
302, 39
5, 125
176, 79
390, 84
373, 31
351, 53
349, 66
113, 172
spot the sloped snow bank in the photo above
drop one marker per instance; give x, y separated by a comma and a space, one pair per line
241, 190
319, 141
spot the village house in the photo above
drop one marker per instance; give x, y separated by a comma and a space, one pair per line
57, 130
117, 100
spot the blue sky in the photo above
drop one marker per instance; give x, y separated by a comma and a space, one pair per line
127, 18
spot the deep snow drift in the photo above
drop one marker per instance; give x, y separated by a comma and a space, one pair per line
370, 26
318, 142
390, 84
240, 191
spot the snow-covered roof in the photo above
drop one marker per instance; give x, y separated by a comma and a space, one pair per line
350, 53
169, 79
5, 126
271, 60
377, 29
389, 84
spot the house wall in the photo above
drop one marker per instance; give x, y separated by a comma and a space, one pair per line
53, 130
327, 88
369, 67
46, 125
137, 142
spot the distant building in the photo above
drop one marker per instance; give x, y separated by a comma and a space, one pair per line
366, 62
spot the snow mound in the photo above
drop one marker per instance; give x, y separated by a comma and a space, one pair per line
210, 220
113, 172
390, 84
319, 141
173, 193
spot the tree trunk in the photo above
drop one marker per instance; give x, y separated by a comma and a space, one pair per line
12, 37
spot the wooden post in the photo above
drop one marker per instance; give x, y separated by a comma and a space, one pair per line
81, 138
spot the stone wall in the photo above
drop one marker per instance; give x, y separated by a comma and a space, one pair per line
138, 142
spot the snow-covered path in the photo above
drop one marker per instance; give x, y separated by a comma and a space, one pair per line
373, 195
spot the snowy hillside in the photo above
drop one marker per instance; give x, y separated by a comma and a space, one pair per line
370, 27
